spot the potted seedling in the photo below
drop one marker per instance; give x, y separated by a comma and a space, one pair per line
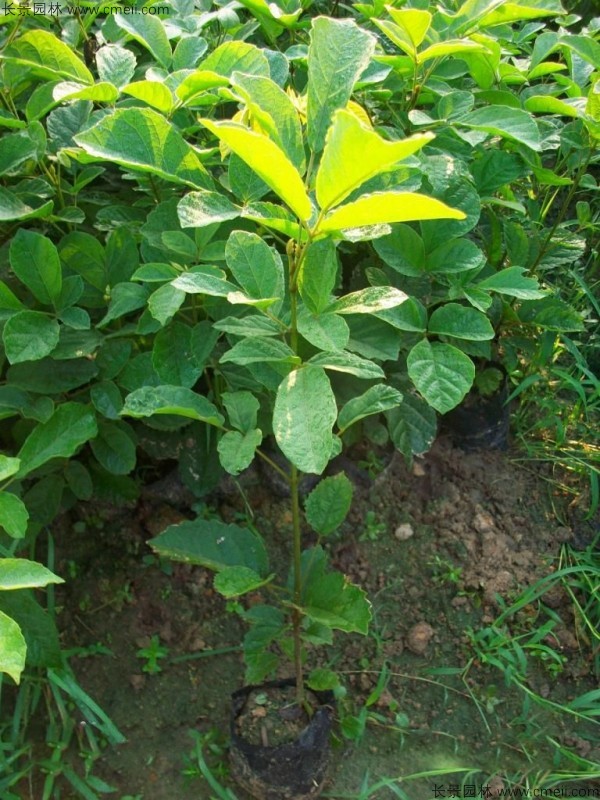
286, 336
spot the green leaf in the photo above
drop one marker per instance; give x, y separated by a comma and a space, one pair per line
273, 216
37, 626
149, 400
106, 399
414, 25
153, 93
276, 112
325, 331
403, 250
17, 148
172, 356
546, 104
8, 466
508, 12
198, 209
189, 51
206, 280
353, 154
20, 573
242, 408
150, 32
461, 322
165, 302
411, 316
303, 418
114, 449
212, 544
412, 426
237, 56
14, 648
368, 301
13, 207
552, 314
442, 373
323, 680
253, 325
509, 123
347, 362
47, 56
328, 504
380, 207
79, 480
375, 400
204, 338
330, 599
13, 517
29, 336
255, 266
115, 64
339, 52
124, 298
268, 161
236, 581
244, 182
34, 260
318, 275
52, 377
70, 426
260, 351
98, 93
198, 83
513, 282
142, 139
448, 48
236, 450
454, 256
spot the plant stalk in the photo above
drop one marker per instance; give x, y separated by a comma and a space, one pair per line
297, 615
293, 265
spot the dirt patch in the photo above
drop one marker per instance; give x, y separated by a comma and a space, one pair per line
442, 548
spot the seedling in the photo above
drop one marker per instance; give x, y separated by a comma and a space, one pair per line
152, 654
373, 528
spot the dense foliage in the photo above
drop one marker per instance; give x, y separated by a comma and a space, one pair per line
235, 229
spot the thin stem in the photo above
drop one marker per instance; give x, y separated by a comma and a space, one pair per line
273, 465
297, 614
295, 254
565, 207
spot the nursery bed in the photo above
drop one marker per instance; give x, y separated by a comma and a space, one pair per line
441, 547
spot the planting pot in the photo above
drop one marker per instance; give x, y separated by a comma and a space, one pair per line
481, 423
295, 770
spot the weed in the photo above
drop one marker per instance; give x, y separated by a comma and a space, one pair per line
152, 654
445, 571
373, 528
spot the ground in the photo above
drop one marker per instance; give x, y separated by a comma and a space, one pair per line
442, 547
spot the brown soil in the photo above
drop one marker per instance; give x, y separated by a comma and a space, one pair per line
271, 717
447, 545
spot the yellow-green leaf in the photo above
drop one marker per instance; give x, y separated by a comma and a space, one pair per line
449, 48
47, 56
268, 161
545, 104
353, 153
198, 83
153, 93
413, 21
14, 648
379, 207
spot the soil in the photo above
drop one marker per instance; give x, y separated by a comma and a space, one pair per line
442, 547
271, 717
